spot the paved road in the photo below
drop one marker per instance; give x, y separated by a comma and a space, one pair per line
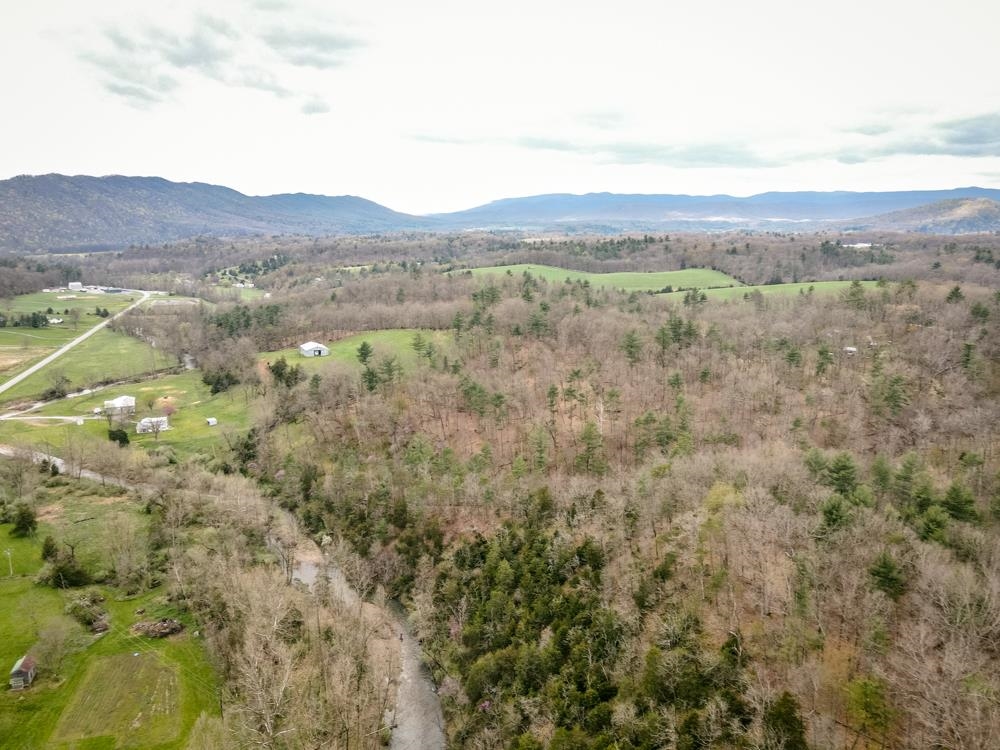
66, 347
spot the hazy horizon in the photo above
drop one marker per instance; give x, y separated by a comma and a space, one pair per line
445, 106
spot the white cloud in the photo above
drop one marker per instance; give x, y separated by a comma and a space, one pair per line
443, 104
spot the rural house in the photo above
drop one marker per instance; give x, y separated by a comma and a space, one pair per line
148, 425
123, 406
313, 349
23, 673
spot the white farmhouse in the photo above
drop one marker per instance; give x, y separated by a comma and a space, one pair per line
123, 406
153, 425
313, 349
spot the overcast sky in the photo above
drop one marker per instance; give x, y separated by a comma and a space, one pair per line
434, 105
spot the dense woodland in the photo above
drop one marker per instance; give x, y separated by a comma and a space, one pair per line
616, 520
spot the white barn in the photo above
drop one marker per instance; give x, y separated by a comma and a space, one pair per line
313, 349
121, 406
148, 425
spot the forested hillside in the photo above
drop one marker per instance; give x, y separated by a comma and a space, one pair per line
629, 519
68, 213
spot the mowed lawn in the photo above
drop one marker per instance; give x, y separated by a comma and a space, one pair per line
629, 281
394, 342
102, 695
817, 287
84, 301
105, 356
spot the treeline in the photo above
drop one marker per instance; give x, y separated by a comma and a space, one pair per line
753, 257
23, 276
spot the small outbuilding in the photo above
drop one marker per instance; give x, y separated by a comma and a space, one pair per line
23, 673
313, 349
123, 406
211, 421
148, 425
75, 286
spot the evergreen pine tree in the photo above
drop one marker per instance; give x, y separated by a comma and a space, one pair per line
960, 503
888, 576
783, 725
842, 474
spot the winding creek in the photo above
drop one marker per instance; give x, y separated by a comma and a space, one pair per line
417, 722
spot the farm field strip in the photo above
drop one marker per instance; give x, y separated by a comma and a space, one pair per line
627, 280
818, 287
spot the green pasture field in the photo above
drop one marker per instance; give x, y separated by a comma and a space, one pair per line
185, 393
818, 287
629, 281
118, 690
82, 513
20, 347
104, 356
241, 293
192, 402
84, 301
392, 341
102, 696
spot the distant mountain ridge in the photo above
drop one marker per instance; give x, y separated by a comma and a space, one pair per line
956, 216
62, 213
680, 210
57, 212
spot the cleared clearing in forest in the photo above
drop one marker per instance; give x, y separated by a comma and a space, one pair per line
631, 281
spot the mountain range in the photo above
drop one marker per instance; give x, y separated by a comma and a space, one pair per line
65, 213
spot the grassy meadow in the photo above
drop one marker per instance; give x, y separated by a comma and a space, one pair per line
390, 342
115, 690
629, 281
242, 294
817, 287
20, 347
189, 399
61, 301
106, 355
